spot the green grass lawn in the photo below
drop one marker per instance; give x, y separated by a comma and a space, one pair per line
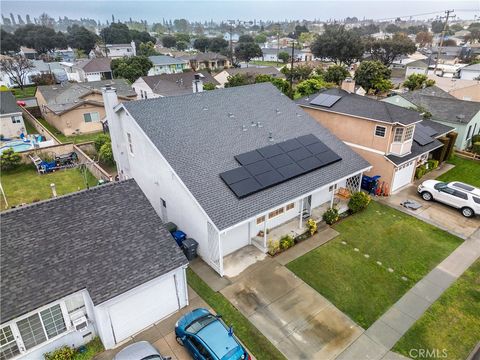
452, 322
359, 286
77, 139
465, 170
25, 185
28, 91
252, 338
267, 63
29, 127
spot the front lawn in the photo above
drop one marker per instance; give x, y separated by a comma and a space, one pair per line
76, 139
28, 91
267, 63
465, 170
356, 284
251, 337
451, 323
25, 185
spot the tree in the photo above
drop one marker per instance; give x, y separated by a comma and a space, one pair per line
368, 29
169, 41
307, 38
9, 43
245, 39
386, 50
41, 38
182, 45
43, 79
393, 29
247, 51
437, 26
261, 39
281, 84
299, 72
131, 68
218, 44
456, 27
182, 37
147, 49
418, 81
239, 80
336, 74
338, 45
78, 37
311, 86
9, 160
116, 33
209, 86
141, 36
201, 44
283, 56
424, 38
370, 75
16, 68
299, 29
106, 153
181, 25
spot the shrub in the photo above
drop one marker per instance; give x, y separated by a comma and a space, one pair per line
286, 242
100, 140
358, 201
476, 147
432, 164
331, 216
420, 171
273, 247
63, 353
209, 86
475, 138
106, 153
10, 160
312, 226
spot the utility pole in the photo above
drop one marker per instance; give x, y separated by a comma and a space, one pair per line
231, 22
442, 37
278, 41
291, 70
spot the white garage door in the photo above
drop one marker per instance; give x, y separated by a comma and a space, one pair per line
403, 175
142, 309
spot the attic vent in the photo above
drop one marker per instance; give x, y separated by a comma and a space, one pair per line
244, 128
205, 108
259, 124
460, 116
230, 115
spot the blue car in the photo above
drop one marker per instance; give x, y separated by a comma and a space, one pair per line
206, 337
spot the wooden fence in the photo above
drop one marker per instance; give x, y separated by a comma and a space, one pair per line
467, 155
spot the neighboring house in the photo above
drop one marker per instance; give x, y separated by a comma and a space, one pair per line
40, 67
148, 87
114, 51
11, 119
67, 55
28, 53
102, 264
208, 60
77, 108
163, 64
270, 54
445, 109
461, 89
95, 69
389, 137
416, 67
222, 77
470, 72
193, 140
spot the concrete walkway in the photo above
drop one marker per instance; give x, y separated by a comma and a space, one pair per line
376, 342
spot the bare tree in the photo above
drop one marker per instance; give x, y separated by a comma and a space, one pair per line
16, 68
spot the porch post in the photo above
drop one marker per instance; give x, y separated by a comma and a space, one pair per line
300, 218
333, 196
359, 182
265, 232
220, 254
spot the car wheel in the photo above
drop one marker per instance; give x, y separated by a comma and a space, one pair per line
467, 212
427, 196
179, 340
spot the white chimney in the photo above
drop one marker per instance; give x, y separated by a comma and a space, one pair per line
197, 84
348, 85
110, 100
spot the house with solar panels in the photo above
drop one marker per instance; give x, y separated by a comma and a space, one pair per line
395, 140
229, 166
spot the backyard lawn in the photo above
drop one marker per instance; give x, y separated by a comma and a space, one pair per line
77, 139
452, 322
267, 63
465, 170
355, 283
28, 91
249, 335
25, 185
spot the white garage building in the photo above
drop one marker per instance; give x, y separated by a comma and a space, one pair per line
94, 263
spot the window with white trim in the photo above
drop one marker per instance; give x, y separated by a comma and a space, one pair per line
17, 119
380, 131
260, 220
409, 133
91, 117
290, 206
8, 344
276, 212
398, 135
130, 145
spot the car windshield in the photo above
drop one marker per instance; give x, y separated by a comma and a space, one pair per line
440, 186
200, 323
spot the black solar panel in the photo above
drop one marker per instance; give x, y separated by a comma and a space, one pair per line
277, 163
425, 129
422, 138
325, 100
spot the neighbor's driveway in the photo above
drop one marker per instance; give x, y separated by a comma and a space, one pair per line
432, 212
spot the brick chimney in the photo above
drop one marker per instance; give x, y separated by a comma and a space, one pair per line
348, 85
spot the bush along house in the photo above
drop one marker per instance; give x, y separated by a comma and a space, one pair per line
229, 166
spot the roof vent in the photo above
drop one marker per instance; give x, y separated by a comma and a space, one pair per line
278, 111
253, 124
259, 124
460, 116
270, 136
205, 108
230, 115
244, 128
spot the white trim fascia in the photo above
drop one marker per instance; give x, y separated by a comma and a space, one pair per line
364, 148
414, 158
18, 113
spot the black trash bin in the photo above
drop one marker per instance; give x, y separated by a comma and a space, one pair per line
190, 246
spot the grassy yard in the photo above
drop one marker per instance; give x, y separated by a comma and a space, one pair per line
77, 139
29, 127
25, 185
26, 92
452, 322
359, 286
254, 340
465, 170
267, 63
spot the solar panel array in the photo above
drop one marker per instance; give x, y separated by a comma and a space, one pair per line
274, 164
325, 100
423, 134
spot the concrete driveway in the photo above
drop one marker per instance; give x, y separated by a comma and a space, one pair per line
432, 212
300, 322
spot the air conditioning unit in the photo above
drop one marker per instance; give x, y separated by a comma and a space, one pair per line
80, 324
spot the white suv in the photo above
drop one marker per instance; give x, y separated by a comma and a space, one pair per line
456, 194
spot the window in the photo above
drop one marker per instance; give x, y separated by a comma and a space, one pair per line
380, 131
200, 348
476, 200
91, 117
130, 145
460, 194
17, 119
409, 133
468, 132
39, 327
398, 135
74, 303
260, 219
276, 212
290, 206
8, 345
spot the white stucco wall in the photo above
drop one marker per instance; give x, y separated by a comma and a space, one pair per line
9, 129
469, 75
141, 85
235, 239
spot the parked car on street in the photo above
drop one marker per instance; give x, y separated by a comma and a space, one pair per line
141, 350
206, 337
456, 194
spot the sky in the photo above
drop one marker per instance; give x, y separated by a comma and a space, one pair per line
222, 10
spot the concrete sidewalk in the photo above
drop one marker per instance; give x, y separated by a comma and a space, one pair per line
375, 343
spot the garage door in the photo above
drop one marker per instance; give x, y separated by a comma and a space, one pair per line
403, 175
142, 309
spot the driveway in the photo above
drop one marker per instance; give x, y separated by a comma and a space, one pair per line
300, 322
437, 214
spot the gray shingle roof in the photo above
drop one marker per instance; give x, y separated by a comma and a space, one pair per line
166, 60
199, 135
208, 56
176, 84
473, 67
101, 64
363, 106
8, 103
107, 240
